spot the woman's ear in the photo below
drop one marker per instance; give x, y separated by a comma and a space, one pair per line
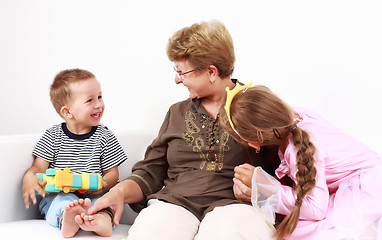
213, 73
254, 145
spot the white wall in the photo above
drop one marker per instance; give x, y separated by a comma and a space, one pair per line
325, 55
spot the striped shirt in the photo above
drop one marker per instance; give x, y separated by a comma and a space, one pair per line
96, 151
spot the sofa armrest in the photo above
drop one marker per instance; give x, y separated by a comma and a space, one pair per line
16, 157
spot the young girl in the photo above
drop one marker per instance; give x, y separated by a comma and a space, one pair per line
337, 180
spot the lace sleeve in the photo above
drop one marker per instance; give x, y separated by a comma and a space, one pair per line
264, 194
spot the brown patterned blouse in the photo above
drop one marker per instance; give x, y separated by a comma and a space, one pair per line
191, 161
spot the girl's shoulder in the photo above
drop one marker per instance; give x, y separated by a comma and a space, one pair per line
309, 117
306, 112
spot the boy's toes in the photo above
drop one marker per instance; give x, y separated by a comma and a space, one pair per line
87, 203
79, 220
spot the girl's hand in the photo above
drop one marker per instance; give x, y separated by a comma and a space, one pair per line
244, 173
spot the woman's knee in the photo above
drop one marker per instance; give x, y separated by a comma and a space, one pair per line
235, 221
165, 221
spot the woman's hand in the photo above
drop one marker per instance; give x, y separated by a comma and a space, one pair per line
113, 199
126, 191
242, 182
241, 191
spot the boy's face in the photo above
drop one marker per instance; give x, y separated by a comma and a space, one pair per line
85, 105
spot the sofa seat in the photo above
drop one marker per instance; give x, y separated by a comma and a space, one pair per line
40, 229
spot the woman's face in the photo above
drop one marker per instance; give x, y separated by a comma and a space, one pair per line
196, 81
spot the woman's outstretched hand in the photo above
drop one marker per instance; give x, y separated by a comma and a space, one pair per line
113, 199
126, 191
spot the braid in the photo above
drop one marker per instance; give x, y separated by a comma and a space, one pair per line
305, 177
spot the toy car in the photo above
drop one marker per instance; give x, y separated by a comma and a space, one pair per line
62, 180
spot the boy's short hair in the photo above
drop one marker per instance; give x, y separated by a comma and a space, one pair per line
204, 44
60, 88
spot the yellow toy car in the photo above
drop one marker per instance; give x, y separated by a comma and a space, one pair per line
62, 180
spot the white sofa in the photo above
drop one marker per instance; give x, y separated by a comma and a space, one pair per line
16, 222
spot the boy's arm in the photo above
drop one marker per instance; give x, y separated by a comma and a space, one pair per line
32, 183
109, 179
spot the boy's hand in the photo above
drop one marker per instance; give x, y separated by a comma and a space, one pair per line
32, 184
99, 191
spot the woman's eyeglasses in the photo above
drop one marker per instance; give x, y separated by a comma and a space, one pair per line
181, 74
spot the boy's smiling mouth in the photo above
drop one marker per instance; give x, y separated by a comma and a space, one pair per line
96, 115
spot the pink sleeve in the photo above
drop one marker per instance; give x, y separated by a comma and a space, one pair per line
315, 203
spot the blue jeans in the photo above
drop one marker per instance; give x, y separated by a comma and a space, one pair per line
52, 206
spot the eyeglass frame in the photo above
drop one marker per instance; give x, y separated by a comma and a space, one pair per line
181, 74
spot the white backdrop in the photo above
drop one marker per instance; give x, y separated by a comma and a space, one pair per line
325, 55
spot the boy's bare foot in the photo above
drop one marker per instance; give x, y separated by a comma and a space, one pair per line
69, 226
99, 223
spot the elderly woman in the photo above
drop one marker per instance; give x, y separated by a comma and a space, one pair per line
185, 183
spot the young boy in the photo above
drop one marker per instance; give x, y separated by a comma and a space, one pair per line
80, 143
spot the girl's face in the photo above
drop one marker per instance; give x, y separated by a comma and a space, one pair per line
196, 81
86, 105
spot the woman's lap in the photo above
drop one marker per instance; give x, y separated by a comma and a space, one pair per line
161, 220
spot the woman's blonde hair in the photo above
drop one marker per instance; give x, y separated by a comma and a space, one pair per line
204, 44
257, 111
60, 88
